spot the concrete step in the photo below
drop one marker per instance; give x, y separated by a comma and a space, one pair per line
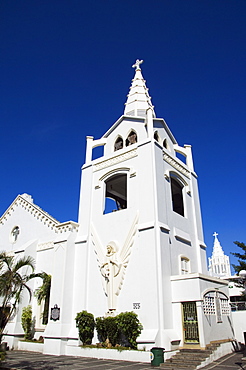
184, 363
188, 359
194, 355
186, 350
181, 365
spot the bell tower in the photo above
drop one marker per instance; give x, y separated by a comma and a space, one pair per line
140, 224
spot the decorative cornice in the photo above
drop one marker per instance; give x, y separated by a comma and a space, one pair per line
175, 164
33, 209
39, 214
67, 226
44, 246
115, 160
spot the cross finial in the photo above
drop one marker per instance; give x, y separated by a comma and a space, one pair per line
215, 234
137, 64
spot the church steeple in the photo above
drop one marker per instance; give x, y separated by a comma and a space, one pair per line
219, 263
138, 99
217, 250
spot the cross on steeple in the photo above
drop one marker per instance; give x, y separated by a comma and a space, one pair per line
137, 64
215, 234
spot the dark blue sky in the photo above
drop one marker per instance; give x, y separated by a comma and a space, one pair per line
65, 73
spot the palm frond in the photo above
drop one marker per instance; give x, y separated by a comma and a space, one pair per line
13, 281
24, 262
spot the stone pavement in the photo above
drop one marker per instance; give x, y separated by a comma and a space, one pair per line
37, 361
232, 361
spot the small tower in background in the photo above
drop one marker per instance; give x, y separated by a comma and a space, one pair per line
219, 263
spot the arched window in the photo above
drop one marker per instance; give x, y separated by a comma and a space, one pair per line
156, 136
165, 144
131, 138
177, 196
118, 143
115, 193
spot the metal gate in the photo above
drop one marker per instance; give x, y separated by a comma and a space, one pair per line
190, 323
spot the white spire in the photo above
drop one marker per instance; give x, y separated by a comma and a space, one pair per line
138, 99
219, 263
217, 249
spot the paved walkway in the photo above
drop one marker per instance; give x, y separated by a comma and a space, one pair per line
229, 362
37, 361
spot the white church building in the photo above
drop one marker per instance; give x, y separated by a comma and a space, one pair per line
219, 266
137, 246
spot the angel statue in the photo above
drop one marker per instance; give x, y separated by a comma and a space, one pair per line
112, 263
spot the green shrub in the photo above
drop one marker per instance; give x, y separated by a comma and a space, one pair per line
129, 327
122, 329
112, 329
26, 322
107, 328
2, 356
85, 323
101, 329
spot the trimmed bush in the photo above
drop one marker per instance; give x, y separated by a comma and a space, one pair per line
107, 328
101, 329
122, 329
85, 323
130, 328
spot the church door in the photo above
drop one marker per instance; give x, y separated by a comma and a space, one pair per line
190, 323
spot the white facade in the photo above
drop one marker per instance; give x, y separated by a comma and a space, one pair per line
51, 244
138, 245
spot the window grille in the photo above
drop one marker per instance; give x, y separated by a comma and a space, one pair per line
209, 305
225, 308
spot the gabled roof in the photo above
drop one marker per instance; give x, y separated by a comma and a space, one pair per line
140, 120
121, 119
26, 202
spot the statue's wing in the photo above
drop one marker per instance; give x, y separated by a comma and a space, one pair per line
126, 249
97, 246
125, 252
99, 254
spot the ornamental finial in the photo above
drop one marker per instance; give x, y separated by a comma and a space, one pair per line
137, 64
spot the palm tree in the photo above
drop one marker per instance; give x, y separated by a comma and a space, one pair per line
12, 283
43, 294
